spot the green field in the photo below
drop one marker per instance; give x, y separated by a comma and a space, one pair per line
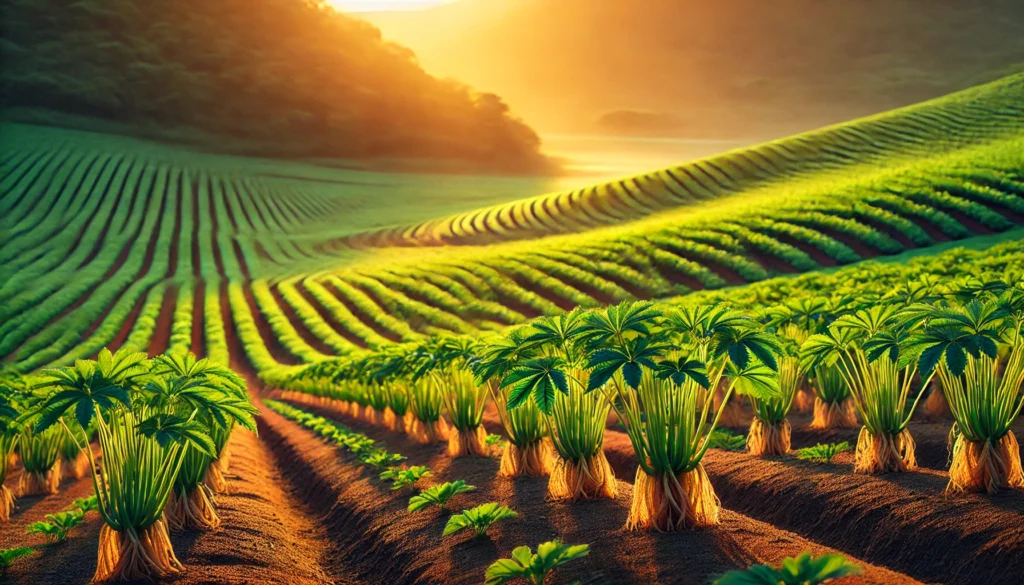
567, 366
270, 264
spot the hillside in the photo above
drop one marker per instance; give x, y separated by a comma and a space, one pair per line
271, 264
733, 68
279, 78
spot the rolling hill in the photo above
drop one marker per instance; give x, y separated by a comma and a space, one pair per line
289, 78
271, 264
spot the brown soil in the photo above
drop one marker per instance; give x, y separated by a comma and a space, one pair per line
129, 322
266, 534
329, 317
902, 521
731, 277
358, 314
198, 345
164, 322
932, 439
369, 525
530, 286
274, 346
300, 327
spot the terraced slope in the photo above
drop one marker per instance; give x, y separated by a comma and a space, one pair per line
927, 130
270, 264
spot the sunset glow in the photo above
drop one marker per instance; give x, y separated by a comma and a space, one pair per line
384, 5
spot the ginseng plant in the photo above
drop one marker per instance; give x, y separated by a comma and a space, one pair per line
213, 396
447, 367
407, 365
73, 461
770, 432
396, 415
551, 370
527, 453
873, 352
143, 451
9, 412
659, 374
833, 405
978, 354
40, 457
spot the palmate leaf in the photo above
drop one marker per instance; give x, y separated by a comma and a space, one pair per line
82, 388
217, 393
824, 349
755, 380
439, 495
954, 343
9, 555
630, 357
742, 343
534, 567
897, 344
498, 356
169, 428
807, 313
682, 369
213, 403
559, 331
866, 323
802, 570
401, 478
479, 518
618, 322
539, 378
9, 411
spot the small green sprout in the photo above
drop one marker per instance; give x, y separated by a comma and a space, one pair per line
381, 459
822, 452
534, 567
493, 440
802, 570
479, 518
58, 527
438, 495
725, 439
86, 505
401, 478
9, 555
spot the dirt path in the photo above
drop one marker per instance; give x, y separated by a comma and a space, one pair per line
266, 536
370, 526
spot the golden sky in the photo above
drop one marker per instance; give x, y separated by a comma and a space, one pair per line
379, 5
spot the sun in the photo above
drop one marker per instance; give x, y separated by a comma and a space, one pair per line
384, 5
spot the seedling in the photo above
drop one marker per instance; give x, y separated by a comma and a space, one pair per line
726, 439
479, 518
9, 555
493, 441
822, 452
401, 478
58, 527
382, 459
802, 570
534, 567
86, 505
438, 495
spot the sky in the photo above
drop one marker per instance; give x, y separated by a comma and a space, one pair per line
383, 5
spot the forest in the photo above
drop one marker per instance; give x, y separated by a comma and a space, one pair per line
294, 78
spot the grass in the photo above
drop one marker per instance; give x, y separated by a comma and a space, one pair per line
272, 264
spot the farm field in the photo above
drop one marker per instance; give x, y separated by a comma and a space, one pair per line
856, 288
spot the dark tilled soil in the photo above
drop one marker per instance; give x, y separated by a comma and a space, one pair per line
266, 535
902, 521
371, 528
